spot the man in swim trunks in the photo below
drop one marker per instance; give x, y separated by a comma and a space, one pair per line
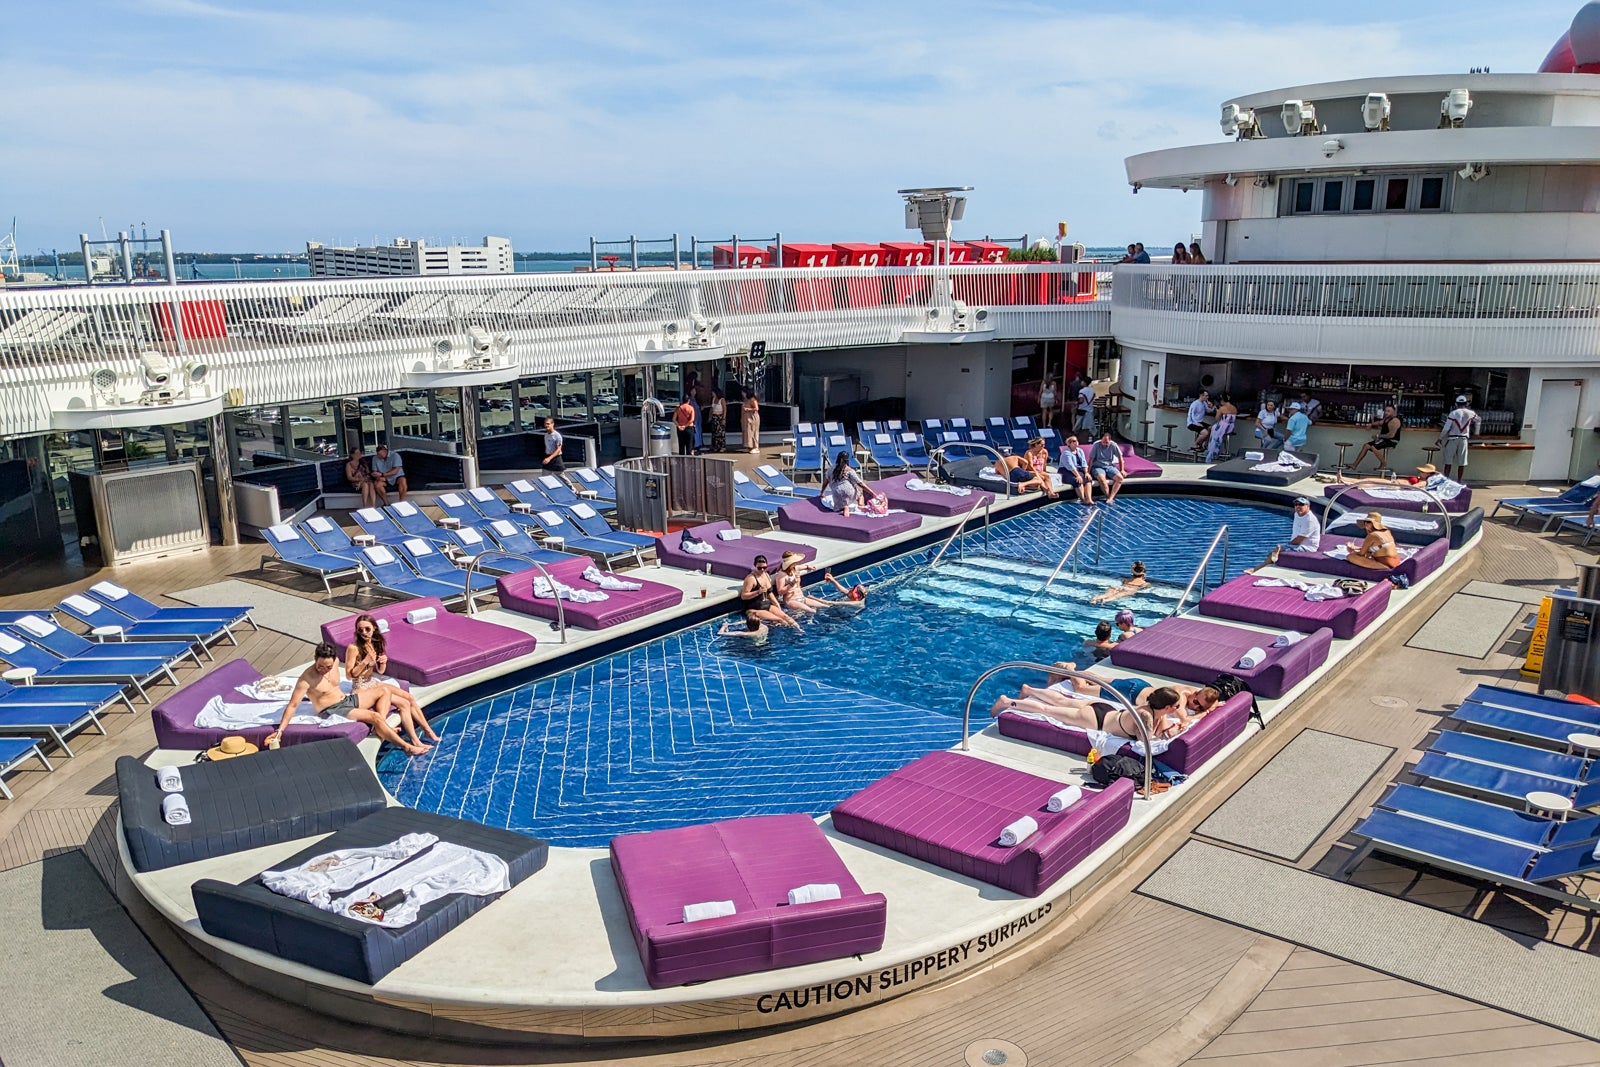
1387, 436
1107, 466
755, 597
319, 683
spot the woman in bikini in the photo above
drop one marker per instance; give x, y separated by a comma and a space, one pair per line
1135, 581
365, 659
1038, 458
1378, 551
1087, 714
787, 586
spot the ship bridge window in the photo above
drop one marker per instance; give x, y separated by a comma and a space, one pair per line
1356, 195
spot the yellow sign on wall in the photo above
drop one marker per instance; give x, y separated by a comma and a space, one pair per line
1534, 664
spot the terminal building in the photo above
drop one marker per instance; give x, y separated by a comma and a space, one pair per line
404, 258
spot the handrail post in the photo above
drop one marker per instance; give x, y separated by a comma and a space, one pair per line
1113, 697
1221, 537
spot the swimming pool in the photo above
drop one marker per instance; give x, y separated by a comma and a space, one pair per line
695, 727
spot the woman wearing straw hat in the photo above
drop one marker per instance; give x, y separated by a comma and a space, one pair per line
1378, 551
787, 584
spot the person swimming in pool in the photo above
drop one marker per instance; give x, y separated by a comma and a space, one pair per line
1136, 581
790, 592
1100, 645
752, 628
1123, 620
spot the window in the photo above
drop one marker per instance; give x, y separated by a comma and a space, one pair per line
1348, 194
1332, 196
1365, 191
1305, 194
1431, 195
1394, 194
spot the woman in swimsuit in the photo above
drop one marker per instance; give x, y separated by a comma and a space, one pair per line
1135, 581
1038, 457
1378, 551
365, 659
1084, 714
790, 593
755, 597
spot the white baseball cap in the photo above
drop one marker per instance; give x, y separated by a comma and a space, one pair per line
1461, 400
1294, 406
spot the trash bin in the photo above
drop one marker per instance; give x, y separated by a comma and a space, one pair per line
660, 439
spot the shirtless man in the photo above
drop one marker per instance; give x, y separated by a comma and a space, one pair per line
319, 683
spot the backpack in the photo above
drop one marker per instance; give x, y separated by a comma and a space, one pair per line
1231, 685
1108, 769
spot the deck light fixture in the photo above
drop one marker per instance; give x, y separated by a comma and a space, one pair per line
1240, 123
1300, 118
1375, 111
1453, 109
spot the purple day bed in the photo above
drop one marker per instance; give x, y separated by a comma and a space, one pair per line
1185, 753
1194, 650
753, 862
446, 646
1360, 499
174, 717
732, 559
926, 501
948, 809
1288, 609
1137, 466
1427, 559
810, 517
620, 605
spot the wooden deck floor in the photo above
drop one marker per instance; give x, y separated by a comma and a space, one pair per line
1126, 980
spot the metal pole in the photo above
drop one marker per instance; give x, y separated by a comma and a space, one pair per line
222, 469
467, 424
594, 255
677, 254
737, 262
633, 247
778, 241
694, 251
127, 255
88, 274
166, 249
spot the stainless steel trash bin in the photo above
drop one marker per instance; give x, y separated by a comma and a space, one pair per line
660, 439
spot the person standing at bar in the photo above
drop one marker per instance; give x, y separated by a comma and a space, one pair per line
1455, 437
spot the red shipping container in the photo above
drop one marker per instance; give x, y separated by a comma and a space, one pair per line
749, 256
806, 294
955, 253
908, 290
859, 292
200, 318
801, 255
988, 251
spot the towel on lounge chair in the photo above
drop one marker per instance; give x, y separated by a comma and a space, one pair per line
815, 891
1063, 799
36, 626
546, 590
81, 604
607, 580
170, 779
175, 809
1312, 590
216, 715
1287, 638
729, 535
417, 615
919, 485
1099, 739
698, 548
109, 590
1018, 831
1394, 522
1253, 658
320, 524
709, 909
270, 688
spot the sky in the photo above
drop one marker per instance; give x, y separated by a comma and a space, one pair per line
257, 126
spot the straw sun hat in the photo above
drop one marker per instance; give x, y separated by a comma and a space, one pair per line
229, 747
1374, 519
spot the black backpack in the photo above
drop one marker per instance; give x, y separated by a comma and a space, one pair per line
1231, 685
1108, 769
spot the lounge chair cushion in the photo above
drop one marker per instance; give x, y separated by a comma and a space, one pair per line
1287, 608
928, 502
1362, 500
808, 516
246, 802
446, 646
1197, 650
1427, 559
731, 559
753, 862
620, 605
253, 915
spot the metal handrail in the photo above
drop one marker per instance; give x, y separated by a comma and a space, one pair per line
1327, 508
1113, 696
976, 504
1073, 547
472, 568
938, 451
1222, 538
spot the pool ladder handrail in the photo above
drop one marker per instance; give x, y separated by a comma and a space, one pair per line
1220, 538
960, 526
1327, 508
1094, 518
1112, 696
472, 568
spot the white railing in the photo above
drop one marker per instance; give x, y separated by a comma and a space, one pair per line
273, 342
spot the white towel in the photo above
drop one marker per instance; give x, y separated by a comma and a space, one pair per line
468, 536
482, 493
1287, 638
813, 892
919, 485
698, 548
504, 527
1338, 552
522, 485
1018, 831
607, 580
1255, 455
37, 626
550, 481
175, 809
404, 507
109, 590
583, 511
9, 644
729, 535
451, 500
265, 689
82, 605
1252, 658
549, 519
170, 779
416, 615
319, 524
369, 514
383, 626
710, 909
1063, 799
217, 715
283, 532
542, 588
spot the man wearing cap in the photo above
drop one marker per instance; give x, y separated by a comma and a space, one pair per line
1299, 426
1459, 426
1304, 536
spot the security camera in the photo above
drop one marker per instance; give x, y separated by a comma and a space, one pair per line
1332, 146
1230, 181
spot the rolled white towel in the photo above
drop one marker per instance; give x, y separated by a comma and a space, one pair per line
416, 615
1255, 455
1018, 831
175, 809
1252, 658
169, 779
1287, 638
1064, 799
710, 909
729, 535
813, 892
383, 625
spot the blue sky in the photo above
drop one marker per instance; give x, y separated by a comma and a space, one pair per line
261, 125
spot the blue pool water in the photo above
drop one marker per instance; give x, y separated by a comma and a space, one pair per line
695, 727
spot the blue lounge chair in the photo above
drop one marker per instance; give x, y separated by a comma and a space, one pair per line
99, 696
1512, 755
490, 506
895, 426
833, 444
887, 457
529, 493
933, 433
1018, 441
809, 429
808, 457
414, 521
390, 575
999, 427
58, 721
778, 484
1463, 852
64, 643
514, 538
470, 541
96, 615
458, 507
591, 522
380, 525
1575, 500
1052, 439
1524, 725
13, 750
1491, 820
831, 429
959, 424
298, 554
979, 436
426, 559
1026, 424
913, 449
590, 481
134, 606
557, 524
1578, 524
1515, 699
50, 669
608, 474
1502, 783
559, 492
866, 428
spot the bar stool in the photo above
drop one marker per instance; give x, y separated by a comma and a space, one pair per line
1149, 445
1429, 451
1168, 445
1341, 446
